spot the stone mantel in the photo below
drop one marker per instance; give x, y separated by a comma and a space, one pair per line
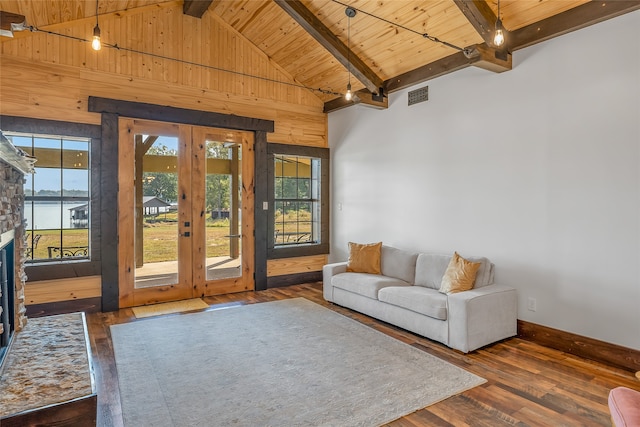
7, 236
15, 157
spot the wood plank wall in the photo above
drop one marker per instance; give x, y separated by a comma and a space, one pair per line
286, 266
71, 71
59, 92
51, 77
48, 291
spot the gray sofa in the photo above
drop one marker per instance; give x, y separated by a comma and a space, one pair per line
406, 295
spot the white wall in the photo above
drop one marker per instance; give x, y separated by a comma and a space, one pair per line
536, 169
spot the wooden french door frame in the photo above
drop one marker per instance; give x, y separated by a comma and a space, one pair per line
245, 281
192, 279
129, 296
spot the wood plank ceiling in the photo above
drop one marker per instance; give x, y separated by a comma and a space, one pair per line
390, 53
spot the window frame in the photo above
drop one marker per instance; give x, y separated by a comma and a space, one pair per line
66, 268
304, 249
62, 198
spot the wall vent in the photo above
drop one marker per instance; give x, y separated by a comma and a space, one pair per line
419, 95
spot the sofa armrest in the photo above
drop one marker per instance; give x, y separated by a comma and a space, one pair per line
482, 316
328, 271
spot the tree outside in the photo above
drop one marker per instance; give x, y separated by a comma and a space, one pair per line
160, 231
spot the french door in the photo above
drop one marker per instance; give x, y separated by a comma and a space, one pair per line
185, 211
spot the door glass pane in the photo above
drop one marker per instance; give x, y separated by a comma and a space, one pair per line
156, 210
223, 206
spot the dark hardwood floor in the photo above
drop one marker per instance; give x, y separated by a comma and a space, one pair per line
528, 384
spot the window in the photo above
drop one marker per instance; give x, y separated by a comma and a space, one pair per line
296, 200
298, 178
57, 197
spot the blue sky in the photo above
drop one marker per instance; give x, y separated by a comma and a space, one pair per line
49, 179
74, 179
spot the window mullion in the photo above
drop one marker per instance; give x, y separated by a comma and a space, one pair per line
61, 178
61, 195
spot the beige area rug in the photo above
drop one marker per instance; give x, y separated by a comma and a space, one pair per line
169, 307
283, 363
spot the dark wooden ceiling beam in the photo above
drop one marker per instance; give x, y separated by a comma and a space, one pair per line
7, 22
484, 56
492, 59
321, 33
573, 19
481, 16
363, 96
446, 65
196, 8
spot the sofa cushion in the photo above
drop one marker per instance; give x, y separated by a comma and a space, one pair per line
484, 276
364, 284
399, 264
430, 268
460, 275
364, 258
416, 298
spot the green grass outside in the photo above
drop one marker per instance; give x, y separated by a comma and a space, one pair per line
160, 240
51, 238
160, 237
292, 223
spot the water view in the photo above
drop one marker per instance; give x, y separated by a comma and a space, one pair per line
47, 215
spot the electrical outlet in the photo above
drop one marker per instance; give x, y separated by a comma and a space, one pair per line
531, 304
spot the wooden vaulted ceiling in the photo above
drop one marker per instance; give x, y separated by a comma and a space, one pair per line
308, 38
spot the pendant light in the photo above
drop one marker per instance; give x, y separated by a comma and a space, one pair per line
95, 43
350, 12
498, 37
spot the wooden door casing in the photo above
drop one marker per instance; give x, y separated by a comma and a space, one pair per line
192, 281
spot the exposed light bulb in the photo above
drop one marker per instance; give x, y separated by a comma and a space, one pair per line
348, 95
498, 38
95, 43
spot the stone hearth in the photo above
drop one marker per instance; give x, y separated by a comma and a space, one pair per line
48, 371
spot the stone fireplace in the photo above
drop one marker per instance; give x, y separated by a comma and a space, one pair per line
46, 376
14, 164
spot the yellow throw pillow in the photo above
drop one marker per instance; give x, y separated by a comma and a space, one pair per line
364, 258
460, 275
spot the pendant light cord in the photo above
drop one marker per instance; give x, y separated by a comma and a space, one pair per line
349, 48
